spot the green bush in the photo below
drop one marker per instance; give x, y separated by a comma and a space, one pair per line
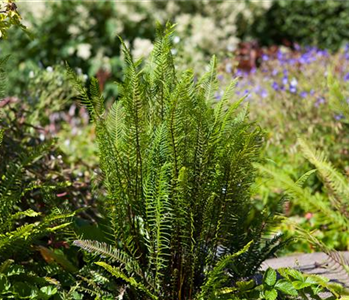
319, 23
177, 170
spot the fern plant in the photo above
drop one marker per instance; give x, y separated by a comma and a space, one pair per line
177, 170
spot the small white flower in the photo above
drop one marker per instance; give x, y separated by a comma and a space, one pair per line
31, 74
228, 67
176, 39
84, 51
49, 69
294, 82
141, 47
231, 47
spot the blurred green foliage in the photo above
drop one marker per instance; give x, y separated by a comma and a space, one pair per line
9, 17
307, 22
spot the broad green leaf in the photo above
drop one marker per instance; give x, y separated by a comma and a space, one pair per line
270, 294
298, 285
286, 287
269, 277
49, 290
293, 273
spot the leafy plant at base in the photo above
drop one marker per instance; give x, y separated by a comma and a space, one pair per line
294, 283
177, 171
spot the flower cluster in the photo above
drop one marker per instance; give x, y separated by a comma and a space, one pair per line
286, 71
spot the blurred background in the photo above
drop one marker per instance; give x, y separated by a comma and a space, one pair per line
282, 52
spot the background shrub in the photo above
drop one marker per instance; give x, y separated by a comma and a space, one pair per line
319, 23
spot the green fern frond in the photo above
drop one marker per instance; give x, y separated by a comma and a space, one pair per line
335, 262
106, 251
93, 101
116, 272
215, 278
304, 198
333, 180
209, 82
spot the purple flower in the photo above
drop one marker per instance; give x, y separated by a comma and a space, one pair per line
239, 73
218, 96
275, 86
339, 117
346, 77
247, 94
275, 72
285, 80
303, 94
293, 89
320, 100
346, 48
265, 57
322, 53
264, 93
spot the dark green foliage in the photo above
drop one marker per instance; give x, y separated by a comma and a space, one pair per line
37, 207
307, 22
177, 169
